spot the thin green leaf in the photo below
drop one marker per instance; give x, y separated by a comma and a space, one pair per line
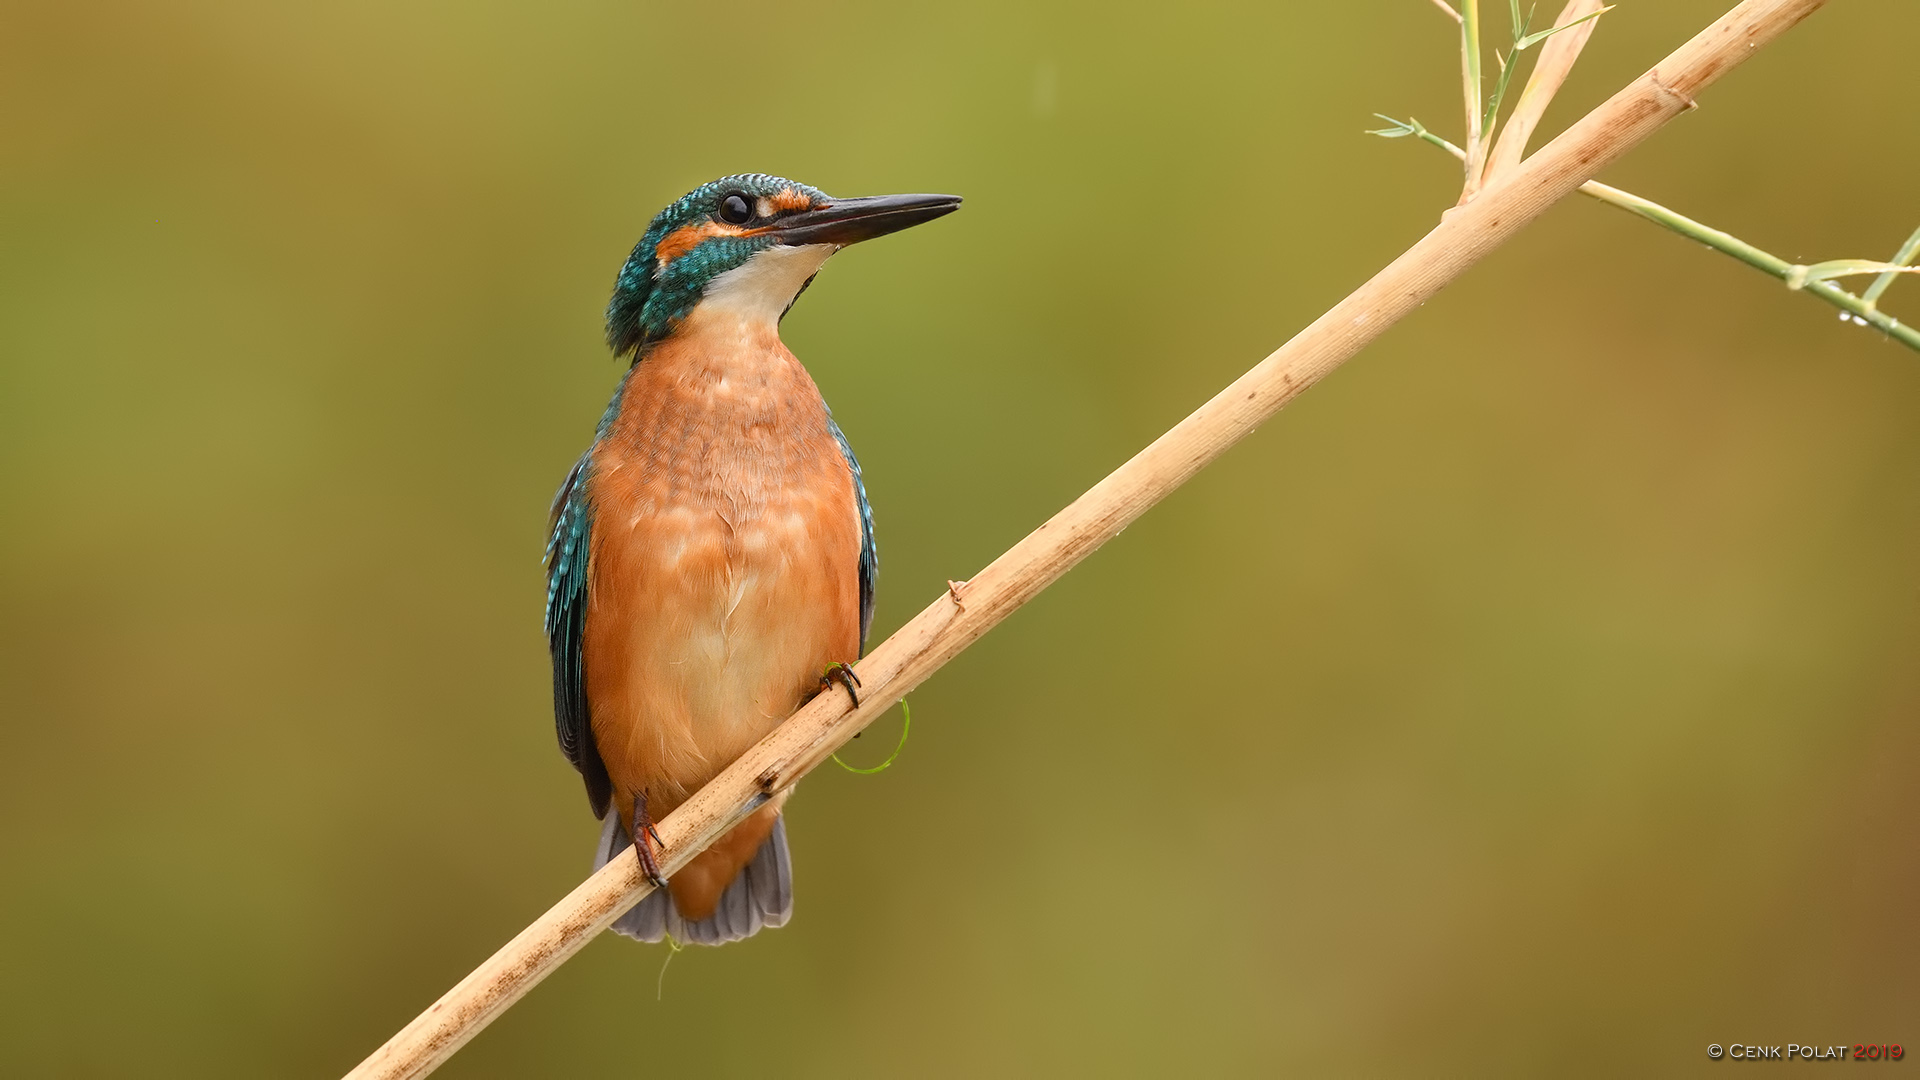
1507, 65
1799, 277
1531, 40
1521, 24
1499, 91
1410, 126
1907, 253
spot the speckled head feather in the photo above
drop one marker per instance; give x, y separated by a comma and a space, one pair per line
687, 246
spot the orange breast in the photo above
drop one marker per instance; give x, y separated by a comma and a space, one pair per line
724, 570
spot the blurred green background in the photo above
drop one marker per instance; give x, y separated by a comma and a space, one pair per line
1536, 695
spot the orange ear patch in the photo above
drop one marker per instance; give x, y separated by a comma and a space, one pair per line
687, 237
791, 198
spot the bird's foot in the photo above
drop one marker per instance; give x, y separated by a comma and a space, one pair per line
644, 837
838, 672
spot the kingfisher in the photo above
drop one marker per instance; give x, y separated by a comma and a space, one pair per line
710, 559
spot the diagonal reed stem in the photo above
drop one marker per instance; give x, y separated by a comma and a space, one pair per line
955, 620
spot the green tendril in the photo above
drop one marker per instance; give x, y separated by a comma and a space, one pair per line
660, 983
906, 724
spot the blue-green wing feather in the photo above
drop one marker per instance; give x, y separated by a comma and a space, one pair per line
567, 557
869, 554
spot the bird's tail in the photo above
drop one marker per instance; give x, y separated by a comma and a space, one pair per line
761, 896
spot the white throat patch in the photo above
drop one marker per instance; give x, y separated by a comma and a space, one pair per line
762, 288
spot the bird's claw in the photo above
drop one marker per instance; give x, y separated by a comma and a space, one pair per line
643, 831
843, 674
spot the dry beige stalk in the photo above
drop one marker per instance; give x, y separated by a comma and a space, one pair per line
940, 632
1550, 71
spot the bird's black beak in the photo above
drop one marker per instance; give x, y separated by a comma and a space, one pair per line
849, 221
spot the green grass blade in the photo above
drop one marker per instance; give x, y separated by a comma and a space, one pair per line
1800, 277
1530, 40
1904, 258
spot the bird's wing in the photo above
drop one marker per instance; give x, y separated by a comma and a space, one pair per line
869, 554
567, 551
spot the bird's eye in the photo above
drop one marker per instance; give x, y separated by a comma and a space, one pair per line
735, 209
